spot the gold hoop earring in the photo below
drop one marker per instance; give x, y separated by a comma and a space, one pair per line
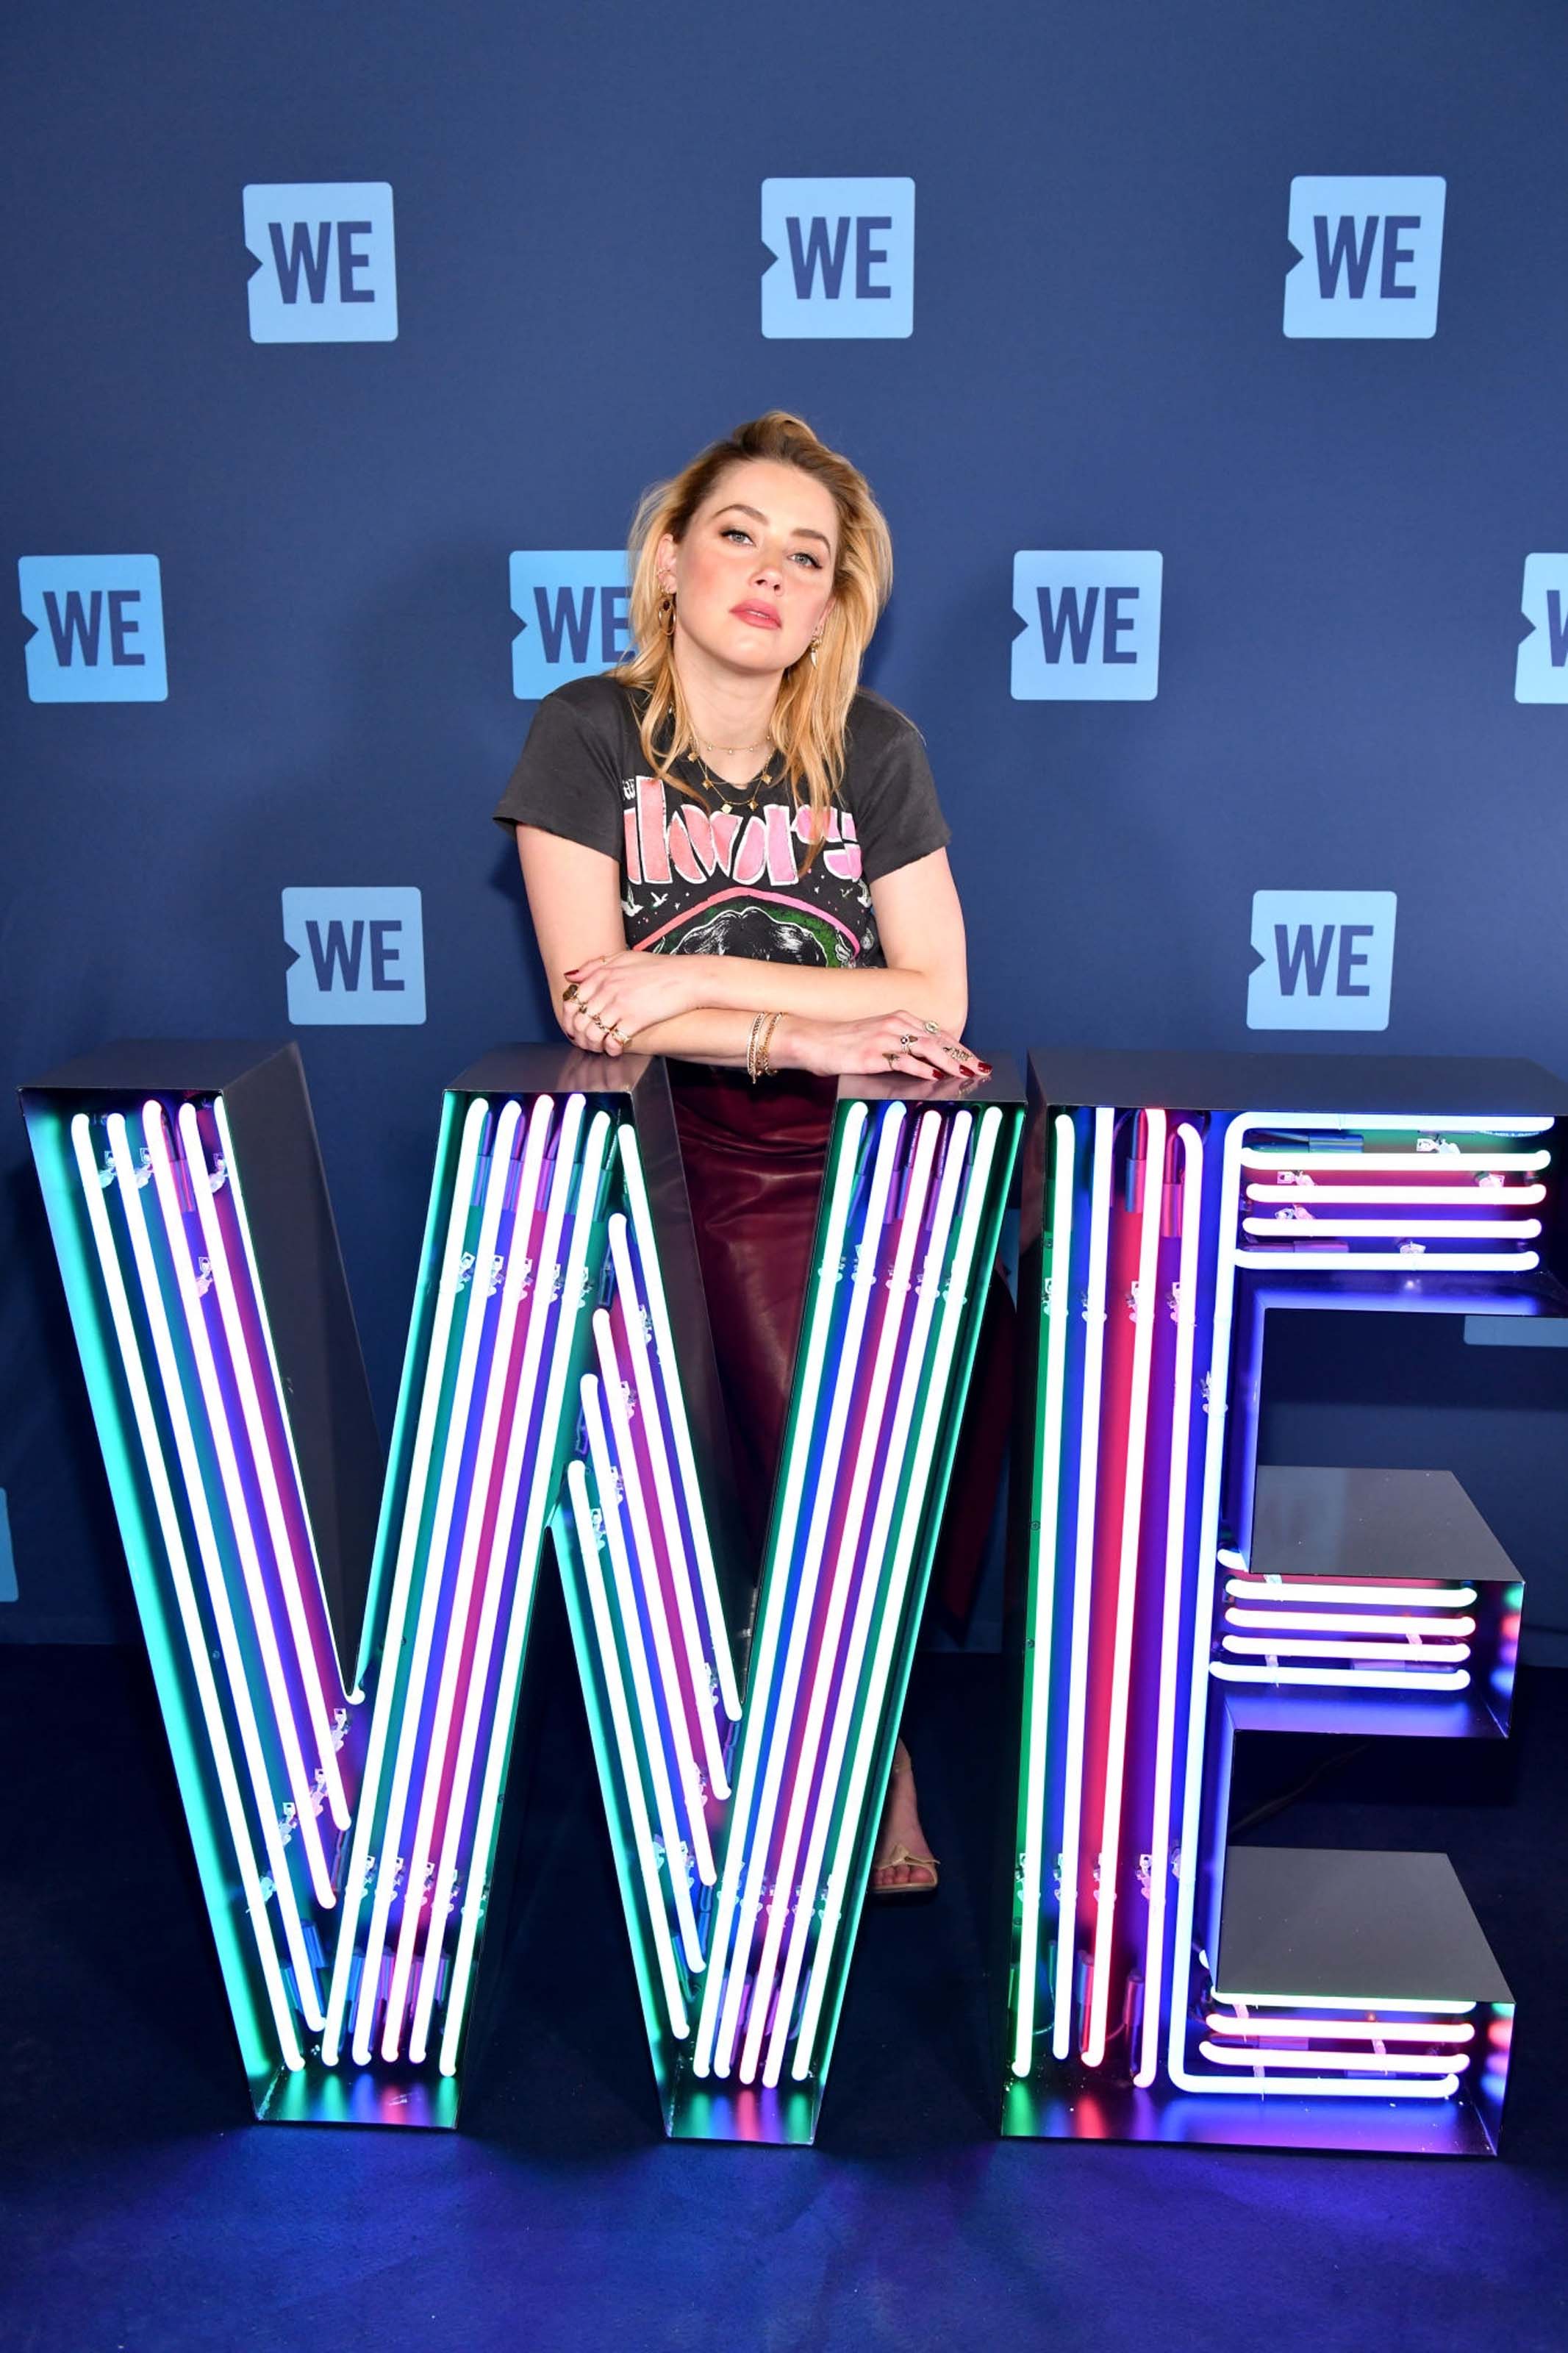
815, 643
667, 612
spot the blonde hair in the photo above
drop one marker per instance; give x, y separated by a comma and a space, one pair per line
812, 711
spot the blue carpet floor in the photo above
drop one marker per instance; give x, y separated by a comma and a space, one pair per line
139, 2209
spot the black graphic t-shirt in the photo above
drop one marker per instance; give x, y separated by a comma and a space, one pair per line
720, 871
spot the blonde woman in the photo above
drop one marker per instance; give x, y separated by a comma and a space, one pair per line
734, 857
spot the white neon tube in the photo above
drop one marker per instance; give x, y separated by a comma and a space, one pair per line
1037, 1658
1345, 2029
1094, 1316
1343, 1678
675, 1846
535, 1278
1092, 2043
1410, 1261
1371, 2001
395, 1828
760, 1677
1313, 1589
278, 1529
681, 1429
517, 1269
1401, 1196
1307, 1224
916, 1355
841, 1580
647, 1386
215, 1410
626, 1747
1402, 1648
1331, 1622
1363, 2062
178, 1249
645, 1578
446, 1289
180, 1575
1450, 1160
863, 1282
541, 1495
954, 1299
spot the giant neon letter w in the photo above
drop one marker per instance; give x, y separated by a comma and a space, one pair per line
351, 1828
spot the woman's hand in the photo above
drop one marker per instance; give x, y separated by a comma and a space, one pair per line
886, 1041
608, 998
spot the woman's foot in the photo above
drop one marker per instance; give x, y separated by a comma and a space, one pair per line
902, 1864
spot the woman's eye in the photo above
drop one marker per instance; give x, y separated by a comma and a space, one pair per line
733, 531
806, 556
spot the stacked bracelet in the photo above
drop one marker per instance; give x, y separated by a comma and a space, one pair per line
758, 1065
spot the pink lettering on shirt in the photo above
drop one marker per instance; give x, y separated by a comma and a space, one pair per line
633, 856
781, 857
726, 825
699, 826
843, 862
682, 856
752, 855
651, 826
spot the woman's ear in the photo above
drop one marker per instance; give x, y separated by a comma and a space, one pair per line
664, 562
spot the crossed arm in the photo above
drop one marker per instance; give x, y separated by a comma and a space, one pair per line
702, 1006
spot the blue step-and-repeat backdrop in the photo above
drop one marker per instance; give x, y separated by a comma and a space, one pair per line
1208, 362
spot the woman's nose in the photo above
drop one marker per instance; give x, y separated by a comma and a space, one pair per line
769, 568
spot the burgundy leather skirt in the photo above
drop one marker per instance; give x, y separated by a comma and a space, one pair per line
754, 1158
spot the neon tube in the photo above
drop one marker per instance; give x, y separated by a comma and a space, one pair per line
680, 1430
450, 1278
1341, 2001
1484, 1163
1343, 1678
434, 1775
573, 1286
871, 1593
1192, 1195
1094, 1314
675, 1846
954, 1300
497, 1179
625, 1743
841, 1578
178, 1248
1401, 1196
1329, 1621
863, 1282
649, 1388
1345, 2029
1037, 1658
534, 1282
1264, 1646
642, 1683
216, 1414
1406, 1262
774, 1578
1402, 1597
1092, 2046
651, 1587
1445, 1230
179, 1570
278, 1529
1363, 2062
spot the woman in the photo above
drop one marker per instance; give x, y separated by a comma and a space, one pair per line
734, 856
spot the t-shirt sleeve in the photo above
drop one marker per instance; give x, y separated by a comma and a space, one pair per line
898, 816
565, 781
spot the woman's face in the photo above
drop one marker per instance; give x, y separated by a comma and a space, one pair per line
753, 576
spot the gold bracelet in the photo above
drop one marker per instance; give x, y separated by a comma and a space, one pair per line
765, 1064
757, 1021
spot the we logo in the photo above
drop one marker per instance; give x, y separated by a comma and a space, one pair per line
572, 605
325, 265
358, 955
1326, 959
1091, 625
844, 258
1541, 673
97, 628
1369, 252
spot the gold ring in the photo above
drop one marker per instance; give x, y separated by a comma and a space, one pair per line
616, 1031
889, 1057
907, 1040
569, 992
598, 1021
931, 1028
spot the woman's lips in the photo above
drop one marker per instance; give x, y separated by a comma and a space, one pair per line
759, 616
